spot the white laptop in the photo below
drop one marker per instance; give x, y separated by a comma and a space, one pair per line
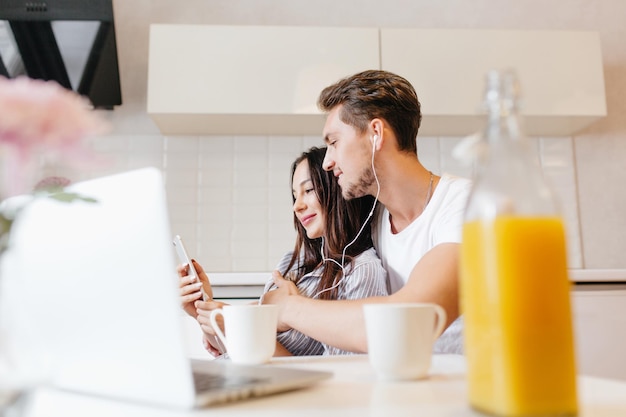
102, 284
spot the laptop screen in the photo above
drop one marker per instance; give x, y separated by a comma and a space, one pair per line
94, 291
99, 285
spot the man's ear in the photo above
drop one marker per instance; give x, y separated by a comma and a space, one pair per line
376, 127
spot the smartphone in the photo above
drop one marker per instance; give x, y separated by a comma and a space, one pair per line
185, 259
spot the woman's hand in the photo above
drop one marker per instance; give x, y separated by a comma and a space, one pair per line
204, 309
190, 290
204, 279
206, 342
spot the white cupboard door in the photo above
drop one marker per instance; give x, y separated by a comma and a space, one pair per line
560, 72
208, 74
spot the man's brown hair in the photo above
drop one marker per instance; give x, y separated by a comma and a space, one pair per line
376, 94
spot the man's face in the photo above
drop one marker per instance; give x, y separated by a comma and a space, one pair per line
349, 156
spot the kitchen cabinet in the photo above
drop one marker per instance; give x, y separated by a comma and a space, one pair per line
246, 79
560, 72
599, 312
258, 80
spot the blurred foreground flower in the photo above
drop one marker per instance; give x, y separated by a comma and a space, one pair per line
40, 119
39, 122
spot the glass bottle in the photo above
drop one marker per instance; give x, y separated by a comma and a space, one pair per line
515, 290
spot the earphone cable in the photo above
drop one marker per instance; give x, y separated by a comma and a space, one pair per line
343, 253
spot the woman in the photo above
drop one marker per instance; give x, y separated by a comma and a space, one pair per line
333, 257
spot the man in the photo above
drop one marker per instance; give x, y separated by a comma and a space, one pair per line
372, 122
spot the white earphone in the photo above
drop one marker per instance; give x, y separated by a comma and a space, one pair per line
374, 139
343, 254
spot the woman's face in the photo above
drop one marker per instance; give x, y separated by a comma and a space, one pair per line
306, 206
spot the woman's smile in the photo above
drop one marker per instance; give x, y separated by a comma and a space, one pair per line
305, 220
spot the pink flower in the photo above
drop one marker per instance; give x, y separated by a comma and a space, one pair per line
53, 182
42, 113
41, 116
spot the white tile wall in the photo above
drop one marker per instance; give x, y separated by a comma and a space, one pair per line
230, 197
557, 161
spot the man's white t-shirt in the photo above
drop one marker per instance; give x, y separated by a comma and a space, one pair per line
441, 222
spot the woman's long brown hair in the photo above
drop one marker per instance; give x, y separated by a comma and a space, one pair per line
344, 219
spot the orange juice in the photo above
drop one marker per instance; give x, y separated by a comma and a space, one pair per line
515, 298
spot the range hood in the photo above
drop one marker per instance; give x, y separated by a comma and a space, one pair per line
205, 79
69, 41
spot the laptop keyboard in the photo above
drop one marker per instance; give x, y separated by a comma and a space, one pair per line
204, 382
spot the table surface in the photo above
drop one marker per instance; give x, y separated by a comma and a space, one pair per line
352, 391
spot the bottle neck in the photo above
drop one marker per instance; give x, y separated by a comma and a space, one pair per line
508, 178
502, 102
504, 123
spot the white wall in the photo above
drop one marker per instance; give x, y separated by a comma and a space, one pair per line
230, 197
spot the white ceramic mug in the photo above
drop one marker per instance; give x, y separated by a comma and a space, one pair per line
249, 331
400, 338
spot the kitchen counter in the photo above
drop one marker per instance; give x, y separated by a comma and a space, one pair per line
238, 285
353, 391
598, 304
260, 278
598, 275
249, 285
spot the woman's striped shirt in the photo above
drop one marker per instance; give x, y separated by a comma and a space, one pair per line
367, 278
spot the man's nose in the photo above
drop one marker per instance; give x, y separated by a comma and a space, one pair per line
328, 163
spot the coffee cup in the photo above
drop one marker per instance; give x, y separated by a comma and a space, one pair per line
400, 338
249, 331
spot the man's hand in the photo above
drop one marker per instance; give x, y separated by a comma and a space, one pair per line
279, 296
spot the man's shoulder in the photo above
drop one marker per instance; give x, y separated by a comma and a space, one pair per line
454, 188
455, 183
